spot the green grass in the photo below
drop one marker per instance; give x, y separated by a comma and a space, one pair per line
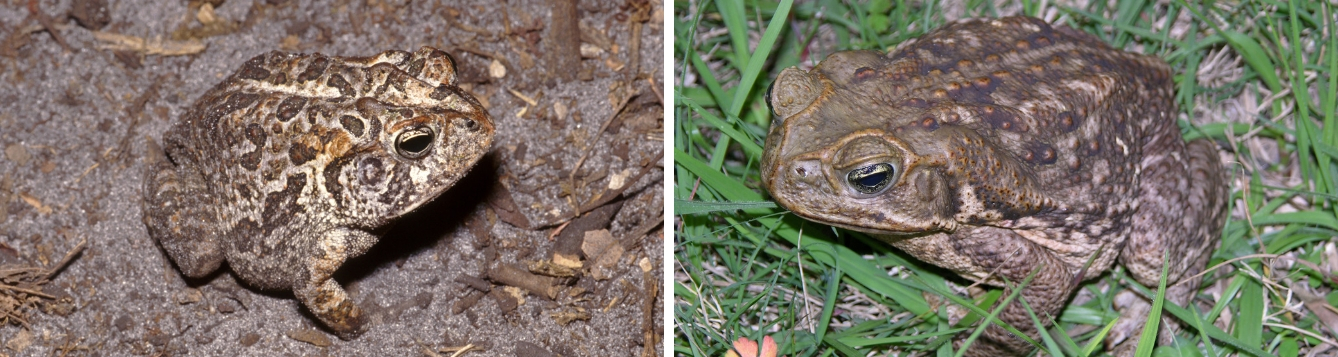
1256, 76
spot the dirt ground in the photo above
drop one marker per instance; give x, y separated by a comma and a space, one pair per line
79, 100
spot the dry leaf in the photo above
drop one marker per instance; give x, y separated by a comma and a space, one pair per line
604, 251
20, 341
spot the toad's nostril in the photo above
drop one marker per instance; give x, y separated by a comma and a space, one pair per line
806, 171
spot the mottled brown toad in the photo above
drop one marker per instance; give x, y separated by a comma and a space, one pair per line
995, 147
297, 162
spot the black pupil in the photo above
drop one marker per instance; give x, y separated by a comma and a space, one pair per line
415, 141
870, 179
767, 97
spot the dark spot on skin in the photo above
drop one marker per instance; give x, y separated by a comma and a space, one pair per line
1067, 121
279, 78
301, 153
416, 67
1093, 148
978, 91
245, 225
984, 83
373, 128
1040, 153
441, 92
256, 135
352, 124
398, 80
243, 190
338, 81
281, 207
331, 174
929, 123
314, 69
1040, 41
1002, 119
863, 74
254, 69
250, 160
290, 107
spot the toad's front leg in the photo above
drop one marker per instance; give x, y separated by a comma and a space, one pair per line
1009, 256
319, 291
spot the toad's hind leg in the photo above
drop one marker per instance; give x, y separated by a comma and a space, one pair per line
178, 210
1180, 216
319, 292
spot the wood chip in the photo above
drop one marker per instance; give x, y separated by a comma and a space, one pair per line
36, 203
311, 336
550, 268
497, 70
567, 261
155, 46
508, 275
566, 316
523, 97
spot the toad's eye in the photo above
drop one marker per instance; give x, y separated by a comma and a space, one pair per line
871, 179
414, 143
767, 97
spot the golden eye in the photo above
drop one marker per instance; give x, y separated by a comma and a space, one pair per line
871, 179
415, 142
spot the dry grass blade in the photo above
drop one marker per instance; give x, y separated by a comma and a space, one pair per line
21, 287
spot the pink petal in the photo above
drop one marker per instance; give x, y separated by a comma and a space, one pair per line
769, 348
746, 347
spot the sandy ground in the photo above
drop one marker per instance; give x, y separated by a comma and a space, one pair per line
75, 118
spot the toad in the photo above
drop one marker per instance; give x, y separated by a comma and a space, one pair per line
298, 162
996, 148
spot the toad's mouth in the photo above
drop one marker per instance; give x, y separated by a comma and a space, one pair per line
884, 232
